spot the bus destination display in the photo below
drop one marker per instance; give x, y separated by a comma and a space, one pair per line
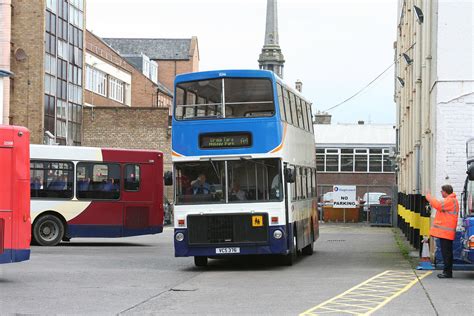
234, 140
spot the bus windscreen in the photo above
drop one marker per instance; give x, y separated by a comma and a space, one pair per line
232, 181
224, 98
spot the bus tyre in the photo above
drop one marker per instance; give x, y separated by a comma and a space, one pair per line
289, 259
48, 230
308, 250
200, 261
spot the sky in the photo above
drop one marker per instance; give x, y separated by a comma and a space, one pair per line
335, 47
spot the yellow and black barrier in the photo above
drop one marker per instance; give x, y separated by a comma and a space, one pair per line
413, 217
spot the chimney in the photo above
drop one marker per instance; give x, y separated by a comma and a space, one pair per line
322, 118
299, 85
360, 122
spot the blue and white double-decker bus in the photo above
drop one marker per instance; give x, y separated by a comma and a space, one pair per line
244, 167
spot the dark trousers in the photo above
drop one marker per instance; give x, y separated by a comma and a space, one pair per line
447, 252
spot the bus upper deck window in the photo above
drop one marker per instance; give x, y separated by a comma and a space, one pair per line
243, 97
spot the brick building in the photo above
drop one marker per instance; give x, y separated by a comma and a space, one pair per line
111, 80
355, 154
125, 104
46, 93
129, 127
173, 56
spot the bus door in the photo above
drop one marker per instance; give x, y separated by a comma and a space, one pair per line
6, 213
138, 196
99, 183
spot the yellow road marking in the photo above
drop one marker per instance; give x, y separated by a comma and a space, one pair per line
362, 300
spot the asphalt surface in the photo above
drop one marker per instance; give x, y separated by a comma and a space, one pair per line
140, 275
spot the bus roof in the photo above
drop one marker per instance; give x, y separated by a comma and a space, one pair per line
75, 153
235, 73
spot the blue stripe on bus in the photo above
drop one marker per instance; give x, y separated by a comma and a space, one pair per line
267, 132
110, 231
14, 255
274, 246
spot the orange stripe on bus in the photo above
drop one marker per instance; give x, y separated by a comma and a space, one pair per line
279, 147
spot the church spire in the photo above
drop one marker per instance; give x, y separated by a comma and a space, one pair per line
271, 57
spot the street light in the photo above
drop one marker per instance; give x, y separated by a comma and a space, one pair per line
419, 14
401, 81
407, 58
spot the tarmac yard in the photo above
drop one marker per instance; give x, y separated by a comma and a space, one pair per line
355, 270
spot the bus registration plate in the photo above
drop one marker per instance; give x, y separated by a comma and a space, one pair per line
227, 250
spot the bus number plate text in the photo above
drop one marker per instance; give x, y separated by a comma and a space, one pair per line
227, 250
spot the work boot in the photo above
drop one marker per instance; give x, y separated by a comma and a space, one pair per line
445, 276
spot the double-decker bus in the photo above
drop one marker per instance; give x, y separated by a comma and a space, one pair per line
15, 224
94, 192
244, 166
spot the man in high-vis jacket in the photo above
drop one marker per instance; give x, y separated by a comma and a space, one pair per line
444, 226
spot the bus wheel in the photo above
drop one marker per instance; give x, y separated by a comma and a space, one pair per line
289, 259
308, 250
200, 261
48, 230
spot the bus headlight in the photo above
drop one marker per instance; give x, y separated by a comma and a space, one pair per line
179, 237
277, 234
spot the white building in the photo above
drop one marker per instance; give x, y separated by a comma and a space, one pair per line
355, 154
434, 92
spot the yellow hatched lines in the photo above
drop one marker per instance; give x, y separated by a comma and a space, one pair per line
368, 296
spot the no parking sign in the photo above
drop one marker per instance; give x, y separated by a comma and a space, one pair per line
344, 196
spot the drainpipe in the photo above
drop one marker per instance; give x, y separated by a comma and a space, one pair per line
418, 102
428, 25
5, 42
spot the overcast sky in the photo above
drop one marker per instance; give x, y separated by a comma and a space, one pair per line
335, 47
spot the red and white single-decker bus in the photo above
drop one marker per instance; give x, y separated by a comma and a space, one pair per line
94, 192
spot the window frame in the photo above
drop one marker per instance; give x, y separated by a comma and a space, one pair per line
125, 177
71, 178
93, 163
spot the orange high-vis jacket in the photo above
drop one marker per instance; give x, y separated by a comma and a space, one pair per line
446, 218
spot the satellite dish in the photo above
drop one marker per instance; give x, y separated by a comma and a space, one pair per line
20, 54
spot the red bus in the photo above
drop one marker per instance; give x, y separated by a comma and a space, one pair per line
94, 192
15, 224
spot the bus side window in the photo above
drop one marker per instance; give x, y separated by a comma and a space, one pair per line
314, 184
132, 178
281, 102
298, 183
309, 178
304, 113
294, 112
300, 112
289, 115
293, 186
179, 101
310, 117
98, 181
51, 179
304, 192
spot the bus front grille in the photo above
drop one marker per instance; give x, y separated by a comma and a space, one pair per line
227, 229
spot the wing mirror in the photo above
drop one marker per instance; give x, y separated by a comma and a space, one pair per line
470, 172
168, 177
